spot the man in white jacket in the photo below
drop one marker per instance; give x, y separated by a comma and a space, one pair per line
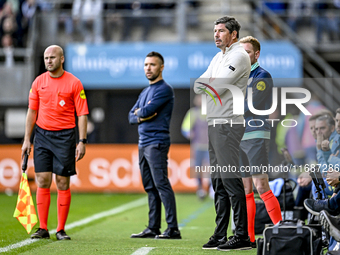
225, 83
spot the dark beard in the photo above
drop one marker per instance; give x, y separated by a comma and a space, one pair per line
152, 78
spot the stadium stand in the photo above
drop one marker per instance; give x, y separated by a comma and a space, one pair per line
51, 22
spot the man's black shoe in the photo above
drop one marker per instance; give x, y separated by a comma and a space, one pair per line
235, 243
40, 233
316, 206
170, 233
213, 243
331, 224
61, 235
146, 233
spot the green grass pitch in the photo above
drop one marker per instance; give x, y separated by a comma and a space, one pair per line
111, 234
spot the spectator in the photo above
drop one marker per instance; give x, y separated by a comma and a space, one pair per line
113, 21
15, 5
45, 5
305, 180
326, 21
277, 6
326, 135
28, 8
195, 129
8, 23
87, 14
7, 45
6, 41
192, 13
166, 7
66, 20
298, 12
331, 205
137, 17
305, 136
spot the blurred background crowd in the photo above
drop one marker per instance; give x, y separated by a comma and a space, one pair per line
28, 26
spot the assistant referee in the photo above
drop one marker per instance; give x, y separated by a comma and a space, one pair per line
54, 98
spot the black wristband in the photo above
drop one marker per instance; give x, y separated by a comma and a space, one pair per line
83, 140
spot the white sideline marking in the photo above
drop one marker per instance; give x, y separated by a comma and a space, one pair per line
143, 251
113, 211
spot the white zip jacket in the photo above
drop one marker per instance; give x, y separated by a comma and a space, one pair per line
231, 68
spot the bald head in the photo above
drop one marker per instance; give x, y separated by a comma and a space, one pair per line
55, 48
54, 59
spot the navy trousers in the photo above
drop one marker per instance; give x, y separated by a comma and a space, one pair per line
153, 163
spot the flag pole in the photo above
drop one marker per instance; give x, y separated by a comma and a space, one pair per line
25, 210
24, 163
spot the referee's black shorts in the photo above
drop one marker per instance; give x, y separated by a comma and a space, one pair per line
253, 156
54, 151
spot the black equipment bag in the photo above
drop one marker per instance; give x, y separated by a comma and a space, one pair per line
290, 237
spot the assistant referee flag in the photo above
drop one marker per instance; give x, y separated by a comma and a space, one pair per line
25, 211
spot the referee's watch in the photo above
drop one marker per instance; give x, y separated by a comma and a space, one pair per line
84, 141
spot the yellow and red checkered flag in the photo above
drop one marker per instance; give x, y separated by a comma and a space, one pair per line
25, 210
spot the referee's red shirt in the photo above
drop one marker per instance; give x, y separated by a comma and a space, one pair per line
57, 100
